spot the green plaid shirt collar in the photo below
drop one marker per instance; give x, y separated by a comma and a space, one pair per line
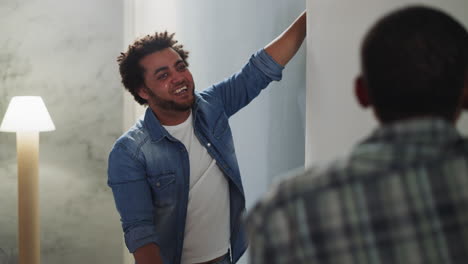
418, 131
400, 197
402, 143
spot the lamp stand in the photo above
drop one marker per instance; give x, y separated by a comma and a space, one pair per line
27, 144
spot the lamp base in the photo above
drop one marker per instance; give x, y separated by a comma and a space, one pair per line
27, 144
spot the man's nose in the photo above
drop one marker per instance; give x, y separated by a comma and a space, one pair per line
177, 77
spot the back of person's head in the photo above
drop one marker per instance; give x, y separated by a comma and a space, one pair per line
129, 62
415, 63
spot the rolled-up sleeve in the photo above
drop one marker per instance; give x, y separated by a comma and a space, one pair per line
267, 65
132, 195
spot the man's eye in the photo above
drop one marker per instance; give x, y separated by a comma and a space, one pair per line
182, 67
162, 76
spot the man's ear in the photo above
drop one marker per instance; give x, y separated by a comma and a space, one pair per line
361, 92
465, 94
143, 93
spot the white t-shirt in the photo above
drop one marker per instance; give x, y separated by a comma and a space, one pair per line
207, 225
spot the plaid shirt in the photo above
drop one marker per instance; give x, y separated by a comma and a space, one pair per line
400, 197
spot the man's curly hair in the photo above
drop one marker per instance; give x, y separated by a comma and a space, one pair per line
129, 62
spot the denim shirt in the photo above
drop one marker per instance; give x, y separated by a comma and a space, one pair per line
149, 169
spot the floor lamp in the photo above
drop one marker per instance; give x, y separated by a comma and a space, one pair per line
27, 116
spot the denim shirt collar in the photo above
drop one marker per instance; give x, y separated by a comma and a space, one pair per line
156, 130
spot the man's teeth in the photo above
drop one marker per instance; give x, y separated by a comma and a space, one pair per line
181, 89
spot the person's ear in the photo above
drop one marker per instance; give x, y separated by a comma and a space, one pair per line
465, 94
361, 92
143, 93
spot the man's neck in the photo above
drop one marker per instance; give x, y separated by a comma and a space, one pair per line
171, 118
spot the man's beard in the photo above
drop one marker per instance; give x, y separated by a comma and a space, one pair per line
169, 104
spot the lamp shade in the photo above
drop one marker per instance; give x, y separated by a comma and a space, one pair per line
26, 113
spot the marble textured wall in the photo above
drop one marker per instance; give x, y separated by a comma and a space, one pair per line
64, 51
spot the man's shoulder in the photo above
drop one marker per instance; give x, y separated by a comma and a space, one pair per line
363, 167
133, 138
205, 97
302, 184
209, 97
209, 104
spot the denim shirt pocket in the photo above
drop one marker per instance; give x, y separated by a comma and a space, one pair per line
222, 132
163, 188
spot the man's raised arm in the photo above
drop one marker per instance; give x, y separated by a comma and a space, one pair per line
283, 48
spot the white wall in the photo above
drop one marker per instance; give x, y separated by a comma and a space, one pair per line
221, 36
335, 29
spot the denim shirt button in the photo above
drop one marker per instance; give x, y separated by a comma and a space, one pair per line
208, 145
158, 184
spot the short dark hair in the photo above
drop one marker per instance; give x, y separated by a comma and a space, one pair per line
129, 62
415, 63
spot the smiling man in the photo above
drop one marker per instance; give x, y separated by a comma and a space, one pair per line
174, 174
